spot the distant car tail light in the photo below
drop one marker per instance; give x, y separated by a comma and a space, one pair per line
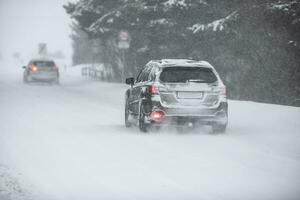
153, 89
157, 116
34, 68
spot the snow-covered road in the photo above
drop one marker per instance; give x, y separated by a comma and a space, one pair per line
69, 142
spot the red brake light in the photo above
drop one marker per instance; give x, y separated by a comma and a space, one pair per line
153, 89
157, 116
225, 91
34, 68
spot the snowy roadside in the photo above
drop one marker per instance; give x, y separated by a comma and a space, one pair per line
11, 186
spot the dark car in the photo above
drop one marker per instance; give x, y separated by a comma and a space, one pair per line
176, 92
41, 70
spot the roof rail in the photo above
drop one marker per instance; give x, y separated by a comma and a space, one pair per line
178, 61
204, 62
155, 61
169, 61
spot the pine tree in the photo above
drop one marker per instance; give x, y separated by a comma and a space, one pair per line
253, 44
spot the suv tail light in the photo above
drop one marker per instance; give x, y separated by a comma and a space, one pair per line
153, 89
157, 116
223, 91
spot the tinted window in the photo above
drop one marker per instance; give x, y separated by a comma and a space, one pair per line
153, 72
144, 75
187, 74
44, 63
138, 78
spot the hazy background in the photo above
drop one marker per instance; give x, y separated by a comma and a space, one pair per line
25, 23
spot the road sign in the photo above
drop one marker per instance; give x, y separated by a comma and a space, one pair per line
123, 44
42, 49
124, 40
124, 36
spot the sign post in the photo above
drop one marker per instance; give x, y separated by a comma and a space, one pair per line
123, 44
42, 49
95, 48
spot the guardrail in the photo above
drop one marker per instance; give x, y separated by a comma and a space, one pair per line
93, 73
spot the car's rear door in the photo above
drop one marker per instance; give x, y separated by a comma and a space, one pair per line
139, 89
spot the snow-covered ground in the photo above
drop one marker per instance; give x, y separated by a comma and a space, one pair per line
69, 142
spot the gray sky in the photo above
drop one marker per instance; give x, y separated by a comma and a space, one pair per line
25, 23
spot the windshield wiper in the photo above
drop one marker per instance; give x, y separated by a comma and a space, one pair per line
197, 81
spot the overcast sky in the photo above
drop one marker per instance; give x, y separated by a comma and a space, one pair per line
26, 23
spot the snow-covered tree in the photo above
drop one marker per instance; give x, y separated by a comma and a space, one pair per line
253, 44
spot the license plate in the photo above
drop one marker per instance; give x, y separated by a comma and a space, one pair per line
190, 95
44, 69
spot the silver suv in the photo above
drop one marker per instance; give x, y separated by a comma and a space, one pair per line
176, 92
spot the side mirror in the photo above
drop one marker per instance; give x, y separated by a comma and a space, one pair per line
129, 81
24, 67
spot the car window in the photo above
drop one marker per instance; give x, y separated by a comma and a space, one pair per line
138, 78
187, 74
144, 75
153, 73
44, 63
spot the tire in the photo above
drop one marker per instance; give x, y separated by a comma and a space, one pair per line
127, 123
155, 129
142, 125
180, 129
25, 80
219, 128
56, 81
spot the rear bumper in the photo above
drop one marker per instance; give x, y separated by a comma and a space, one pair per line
182, 121
44, 76
182, 116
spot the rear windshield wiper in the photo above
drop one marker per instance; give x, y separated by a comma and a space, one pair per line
197, 81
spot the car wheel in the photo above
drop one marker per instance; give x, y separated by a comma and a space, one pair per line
219, 128
55, 81
127, 123
180, 129
155, 129
142, 125
25, 80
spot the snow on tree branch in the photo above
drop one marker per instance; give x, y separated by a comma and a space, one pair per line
217, 25
181, 3
97, 26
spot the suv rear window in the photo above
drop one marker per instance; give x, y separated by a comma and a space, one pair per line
44, 63
187, 74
